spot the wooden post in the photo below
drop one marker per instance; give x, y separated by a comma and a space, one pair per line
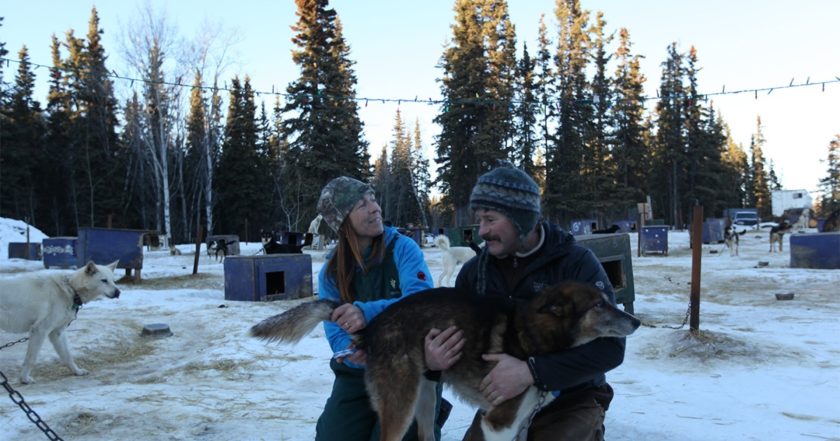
197, 249
696, 253
642, 209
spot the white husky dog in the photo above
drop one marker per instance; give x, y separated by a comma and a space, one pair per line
452, 256
44, 304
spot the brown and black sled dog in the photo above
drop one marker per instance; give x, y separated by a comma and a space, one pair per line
562, 316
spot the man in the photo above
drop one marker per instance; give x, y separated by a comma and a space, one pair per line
521, 256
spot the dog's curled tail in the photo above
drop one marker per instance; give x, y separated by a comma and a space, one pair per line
291, 326
442, 242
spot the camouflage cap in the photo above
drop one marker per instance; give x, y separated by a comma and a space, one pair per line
339, 197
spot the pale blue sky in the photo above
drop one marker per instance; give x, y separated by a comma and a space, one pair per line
742, 44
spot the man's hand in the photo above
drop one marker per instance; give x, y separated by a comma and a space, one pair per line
443, 348
509, 378
349, 317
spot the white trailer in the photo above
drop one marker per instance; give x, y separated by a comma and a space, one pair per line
786, 199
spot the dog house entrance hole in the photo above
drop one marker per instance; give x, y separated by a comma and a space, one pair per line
614, 272
275, 282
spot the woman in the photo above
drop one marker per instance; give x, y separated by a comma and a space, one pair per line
370, 268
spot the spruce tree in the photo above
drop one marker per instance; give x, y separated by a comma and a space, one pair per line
21, 157
463, 67
564, 159
196, 155
403, 201
760, 188
703, 147
140, 184
477, 87
544, 89
383, 183
3, 53
629, 150
734, 161
597, 168
58, 144
773, 180
668, 171
525, 138
421, 178
243, 177
324, 130
101, 156
830, 184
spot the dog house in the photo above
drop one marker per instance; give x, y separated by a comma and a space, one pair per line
460, 236
713, 229
654, 239
613, 251
268, 277
105, 245
583, 226
60, 252
25, 250
815, 250
232, 241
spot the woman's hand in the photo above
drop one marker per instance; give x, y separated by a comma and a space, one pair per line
358, 357
443, 348
349, 317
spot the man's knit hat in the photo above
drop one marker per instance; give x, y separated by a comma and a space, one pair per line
511, 192
339, 197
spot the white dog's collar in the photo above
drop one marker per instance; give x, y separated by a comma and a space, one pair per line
77, 299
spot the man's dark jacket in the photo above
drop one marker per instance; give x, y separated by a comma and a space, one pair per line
559, 259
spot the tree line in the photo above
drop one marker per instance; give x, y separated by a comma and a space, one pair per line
177, 155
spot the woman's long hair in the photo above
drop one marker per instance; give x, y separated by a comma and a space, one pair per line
348, 255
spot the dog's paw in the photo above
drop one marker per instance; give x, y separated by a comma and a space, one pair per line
80, 371
27, 379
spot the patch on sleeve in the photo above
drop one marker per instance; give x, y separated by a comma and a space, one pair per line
600, 284
421, 275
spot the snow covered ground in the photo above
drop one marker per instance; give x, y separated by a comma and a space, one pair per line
762, 369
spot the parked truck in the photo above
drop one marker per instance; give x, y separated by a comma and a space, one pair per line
742, 218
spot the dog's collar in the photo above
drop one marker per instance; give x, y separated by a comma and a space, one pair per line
77, 302
77, 299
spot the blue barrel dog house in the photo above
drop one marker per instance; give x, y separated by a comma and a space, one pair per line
815, 250
105, 245
60, 252
654, 240
268, 277
24, 250
713, 230
582, 226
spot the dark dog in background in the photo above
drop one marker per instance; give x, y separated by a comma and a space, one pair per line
273, 246
832, 223
777, 234
613, 229
561, 316
219, 248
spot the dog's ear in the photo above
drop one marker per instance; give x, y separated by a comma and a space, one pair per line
90, 268
113, 265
